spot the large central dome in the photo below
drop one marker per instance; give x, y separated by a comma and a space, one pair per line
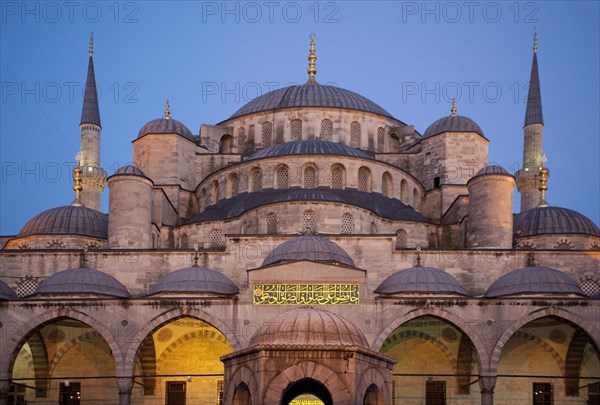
310, 94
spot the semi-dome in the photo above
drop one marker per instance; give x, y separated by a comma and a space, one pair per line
308, 247
452, 123
310, 94
129, 170
424, 280
309, 327
82, 280
68, 220
166, 125
552, 220
308, 148
6, 293
195, 279
534, 280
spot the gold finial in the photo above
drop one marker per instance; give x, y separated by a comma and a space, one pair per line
453, 110
544, 174
535, 40
418, 257
312, 59
77, 187
92, 44
167, 111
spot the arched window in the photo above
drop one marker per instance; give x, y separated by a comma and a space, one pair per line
282, 177
416, 202
355, 134
26, 286
226, 144
233, 186
400, 239
255, 180
380, 140
244, 228
432, 241
241, 134
326, 130
267, 134
364, 179
214, 192
309, 221
394, 143
296, 130
310, 177
216, 239
404, 191
338, 177
436, 182
347, 223
202, 200
271, 223
386, 185
373, 228
183, 241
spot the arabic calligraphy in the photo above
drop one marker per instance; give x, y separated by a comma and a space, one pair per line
305, 294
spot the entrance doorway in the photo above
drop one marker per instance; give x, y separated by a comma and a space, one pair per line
175, 393
307, 388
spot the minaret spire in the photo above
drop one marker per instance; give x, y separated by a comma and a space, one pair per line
533, 114
91, 112
312, 60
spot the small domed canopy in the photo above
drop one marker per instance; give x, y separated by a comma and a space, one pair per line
552, 220
129, 170
453, 123
534, 280
166, 125
308, 247
6, 293
82, 280
309, 327
308, 148
68, 220
492, 169
195, 279
424, 280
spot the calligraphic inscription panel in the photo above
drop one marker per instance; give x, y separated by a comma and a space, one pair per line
305, 294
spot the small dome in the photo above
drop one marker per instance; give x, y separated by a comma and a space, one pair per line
69, 220
309, 327
425, 280
308, 148
552, 220
195, 279
310, 94
492, 169
6, 293
166, 125
534, 280
308, 247
82, 280
129, 169
453, 123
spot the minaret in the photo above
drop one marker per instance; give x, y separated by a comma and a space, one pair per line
93, 177
533, 131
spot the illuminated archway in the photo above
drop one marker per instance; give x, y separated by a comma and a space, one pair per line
305, 388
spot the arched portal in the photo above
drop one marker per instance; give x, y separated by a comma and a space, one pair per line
306, 386
373, 396
436, 361
241, 395
547, 361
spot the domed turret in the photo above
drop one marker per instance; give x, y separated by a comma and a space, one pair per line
166, 125
490, 209
130, 201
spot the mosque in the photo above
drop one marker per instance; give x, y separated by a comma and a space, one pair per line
309, 249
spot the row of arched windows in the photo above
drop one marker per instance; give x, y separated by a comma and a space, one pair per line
310, 180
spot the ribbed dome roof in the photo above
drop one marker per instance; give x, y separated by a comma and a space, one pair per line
552, 220
534, 280
69, 220
308, 148
82, 280
6, 293
420, 280
308, 247
195, 279
492, 169
129, 169
310, 94
309, 327
452, 123
166, 125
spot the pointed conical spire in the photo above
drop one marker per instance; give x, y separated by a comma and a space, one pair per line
533, 114
90, 113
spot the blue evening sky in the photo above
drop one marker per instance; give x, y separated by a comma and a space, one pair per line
210, 58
